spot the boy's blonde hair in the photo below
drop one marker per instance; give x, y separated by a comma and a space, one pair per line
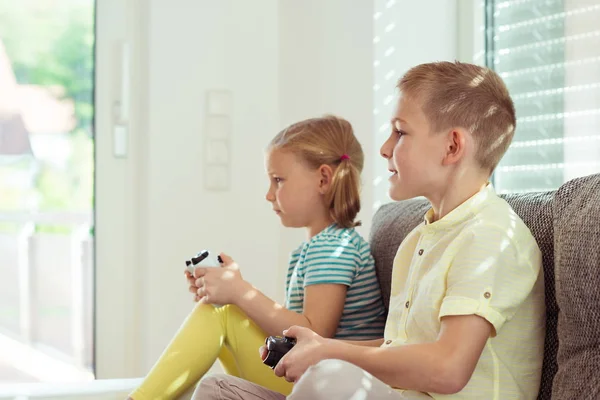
456, 94
329, 141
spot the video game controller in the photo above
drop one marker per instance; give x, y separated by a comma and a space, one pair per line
277, 347
202, 259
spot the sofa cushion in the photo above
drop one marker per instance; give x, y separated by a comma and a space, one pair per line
577, 244
391, 223
394, 221
535, 209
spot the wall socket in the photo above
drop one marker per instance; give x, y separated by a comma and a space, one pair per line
216, 177
217, 143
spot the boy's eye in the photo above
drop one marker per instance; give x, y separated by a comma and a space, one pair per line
397, 128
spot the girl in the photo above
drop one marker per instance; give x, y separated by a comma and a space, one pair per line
314, 171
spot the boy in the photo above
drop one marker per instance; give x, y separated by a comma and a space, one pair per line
467, 312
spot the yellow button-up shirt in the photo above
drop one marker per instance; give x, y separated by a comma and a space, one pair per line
480, 259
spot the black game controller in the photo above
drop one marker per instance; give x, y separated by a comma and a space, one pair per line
277, 347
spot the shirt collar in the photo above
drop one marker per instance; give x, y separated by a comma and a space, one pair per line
464, 211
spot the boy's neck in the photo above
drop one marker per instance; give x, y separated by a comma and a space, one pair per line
455, 192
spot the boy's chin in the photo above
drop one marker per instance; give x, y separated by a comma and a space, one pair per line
397, 194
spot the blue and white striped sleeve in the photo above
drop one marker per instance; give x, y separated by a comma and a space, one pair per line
331, 260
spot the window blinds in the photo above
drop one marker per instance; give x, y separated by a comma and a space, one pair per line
548, 53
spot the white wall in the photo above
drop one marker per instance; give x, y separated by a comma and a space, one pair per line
283, 60
407, 33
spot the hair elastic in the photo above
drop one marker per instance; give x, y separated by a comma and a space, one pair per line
344, 157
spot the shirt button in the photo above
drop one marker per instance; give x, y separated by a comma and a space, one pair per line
421, 252
388, 341
487, 295
407, 304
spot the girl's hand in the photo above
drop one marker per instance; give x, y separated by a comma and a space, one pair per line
221, 286
192, 285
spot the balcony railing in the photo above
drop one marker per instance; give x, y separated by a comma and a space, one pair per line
46, 296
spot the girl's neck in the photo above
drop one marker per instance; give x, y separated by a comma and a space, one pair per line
318, 226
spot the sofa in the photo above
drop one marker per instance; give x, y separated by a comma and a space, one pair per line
566, 225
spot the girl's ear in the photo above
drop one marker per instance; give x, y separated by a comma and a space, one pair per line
326, 176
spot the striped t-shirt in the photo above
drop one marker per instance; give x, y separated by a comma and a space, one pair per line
339, 256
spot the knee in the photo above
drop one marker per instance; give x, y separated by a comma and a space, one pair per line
327, 369
208, 388
328, 380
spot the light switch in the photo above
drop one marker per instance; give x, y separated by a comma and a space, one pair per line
217, 140
219, 102
217, 152
218, 127
216, 177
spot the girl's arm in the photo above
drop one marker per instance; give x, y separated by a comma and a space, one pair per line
323, 304
323, 307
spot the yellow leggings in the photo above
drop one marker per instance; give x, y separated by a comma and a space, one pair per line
206, 335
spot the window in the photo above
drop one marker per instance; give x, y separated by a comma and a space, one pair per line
46, 186
548, 53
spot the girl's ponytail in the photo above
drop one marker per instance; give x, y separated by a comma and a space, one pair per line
344, 195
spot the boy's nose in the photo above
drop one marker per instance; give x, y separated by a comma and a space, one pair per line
387, 148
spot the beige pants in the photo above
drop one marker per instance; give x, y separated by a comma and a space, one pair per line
328, 380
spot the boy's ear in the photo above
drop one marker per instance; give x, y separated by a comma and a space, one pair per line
326, 176
456, 145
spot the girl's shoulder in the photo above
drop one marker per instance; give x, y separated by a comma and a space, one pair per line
343, 239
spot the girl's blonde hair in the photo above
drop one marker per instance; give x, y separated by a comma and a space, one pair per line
329, 141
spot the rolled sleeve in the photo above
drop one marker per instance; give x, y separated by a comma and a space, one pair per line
489, 277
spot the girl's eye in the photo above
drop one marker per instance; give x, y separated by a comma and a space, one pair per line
277, 179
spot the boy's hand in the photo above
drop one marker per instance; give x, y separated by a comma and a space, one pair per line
221, 286
262, 351
310, 348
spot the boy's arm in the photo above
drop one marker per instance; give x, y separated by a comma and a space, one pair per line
365, 343
444, 366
